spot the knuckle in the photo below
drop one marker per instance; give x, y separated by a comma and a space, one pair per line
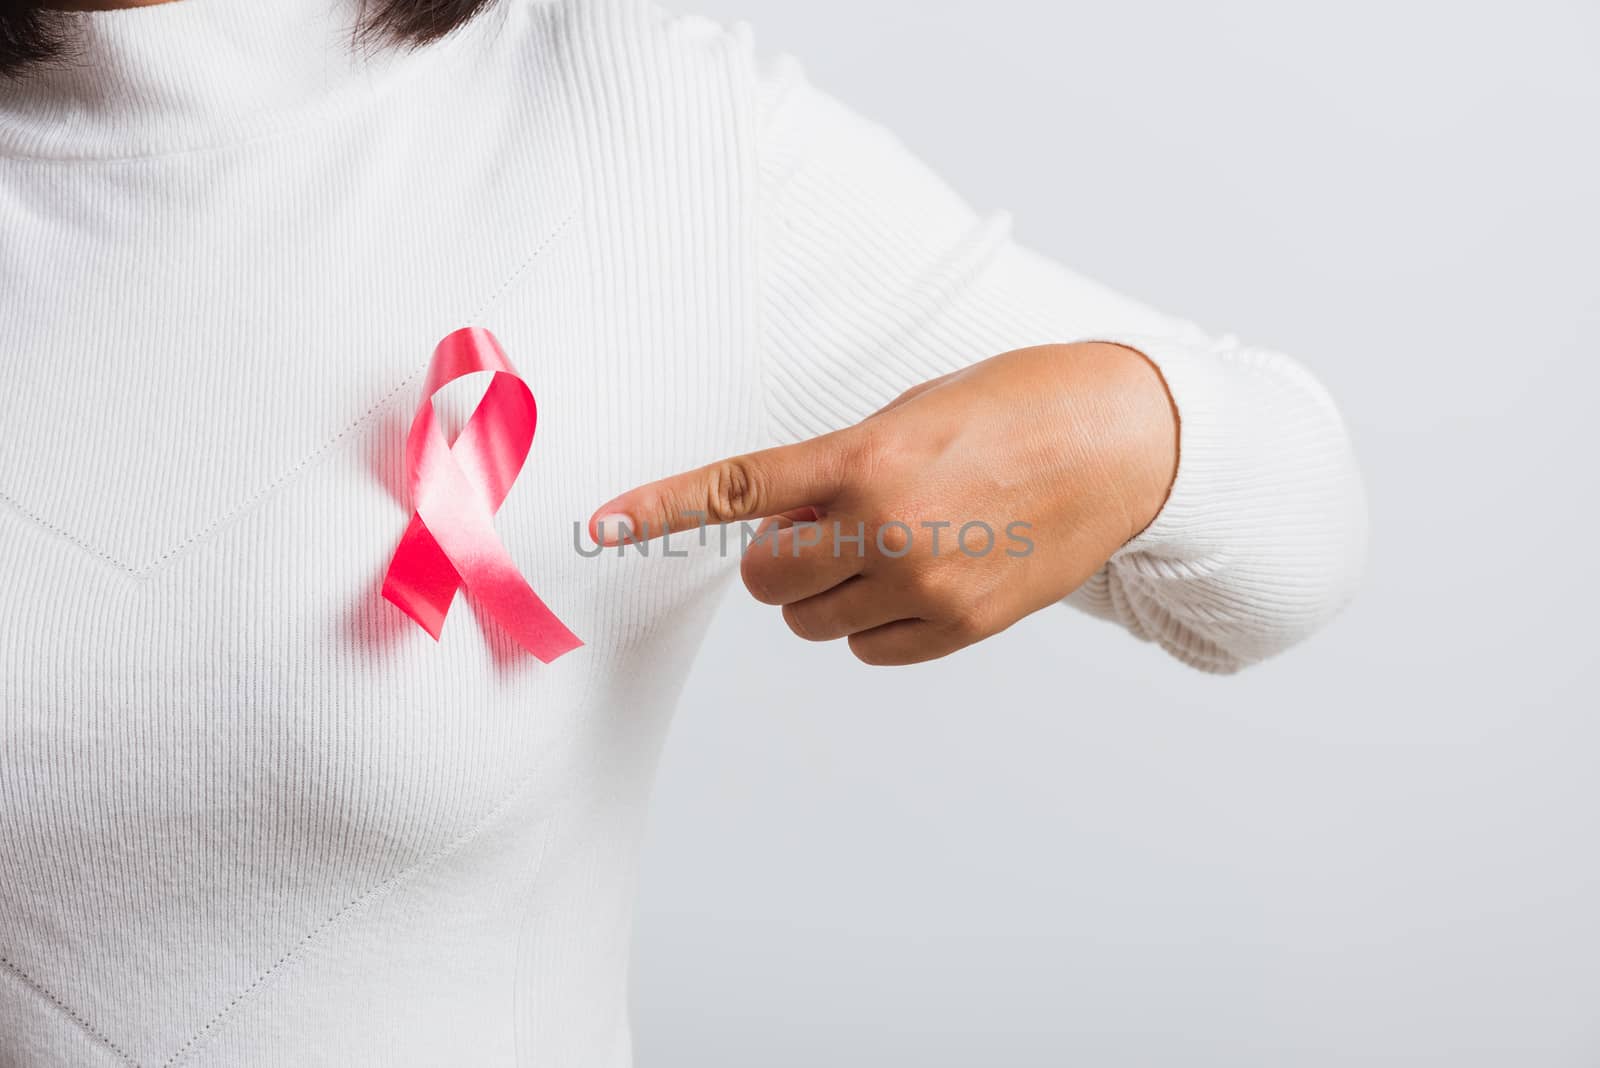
892, 537
869, 652
758, 578
802, 624
816, 623
971, 624
866, 448
734, 490
928, 586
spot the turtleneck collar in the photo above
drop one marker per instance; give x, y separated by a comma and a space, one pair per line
192, 75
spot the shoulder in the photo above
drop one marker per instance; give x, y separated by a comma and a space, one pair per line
642, 57
637, 79
637, 47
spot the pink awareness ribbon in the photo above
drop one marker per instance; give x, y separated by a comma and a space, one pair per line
457, 489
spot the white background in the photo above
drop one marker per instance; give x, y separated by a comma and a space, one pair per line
1063, 849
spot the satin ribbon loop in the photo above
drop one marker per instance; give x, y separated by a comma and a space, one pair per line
457, 489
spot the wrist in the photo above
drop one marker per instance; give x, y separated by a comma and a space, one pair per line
1139, 419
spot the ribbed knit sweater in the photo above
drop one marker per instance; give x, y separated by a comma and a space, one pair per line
249, 813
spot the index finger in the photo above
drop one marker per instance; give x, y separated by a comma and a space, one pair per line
750, 486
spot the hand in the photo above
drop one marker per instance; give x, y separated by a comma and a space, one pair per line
1062, 453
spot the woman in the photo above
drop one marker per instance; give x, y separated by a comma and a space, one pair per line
251, 815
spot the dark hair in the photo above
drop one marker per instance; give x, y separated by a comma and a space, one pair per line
32, 34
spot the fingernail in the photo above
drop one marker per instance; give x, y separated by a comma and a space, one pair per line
614, 529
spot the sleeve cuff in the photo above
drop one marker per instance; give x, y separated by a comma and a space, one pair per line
1195, 377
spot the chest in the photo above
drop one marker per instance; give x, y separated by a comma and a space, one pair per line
207, 711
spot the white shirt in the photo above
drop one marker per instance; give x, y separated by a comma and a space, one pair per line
249, 813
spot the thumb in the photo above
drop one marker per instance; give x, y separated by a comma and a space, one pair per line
751, 486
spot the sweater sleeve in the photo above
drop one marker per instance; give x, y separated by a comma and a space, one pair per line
876, 276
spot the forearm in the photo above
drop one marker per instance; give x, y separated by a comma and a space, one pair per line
878, 277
